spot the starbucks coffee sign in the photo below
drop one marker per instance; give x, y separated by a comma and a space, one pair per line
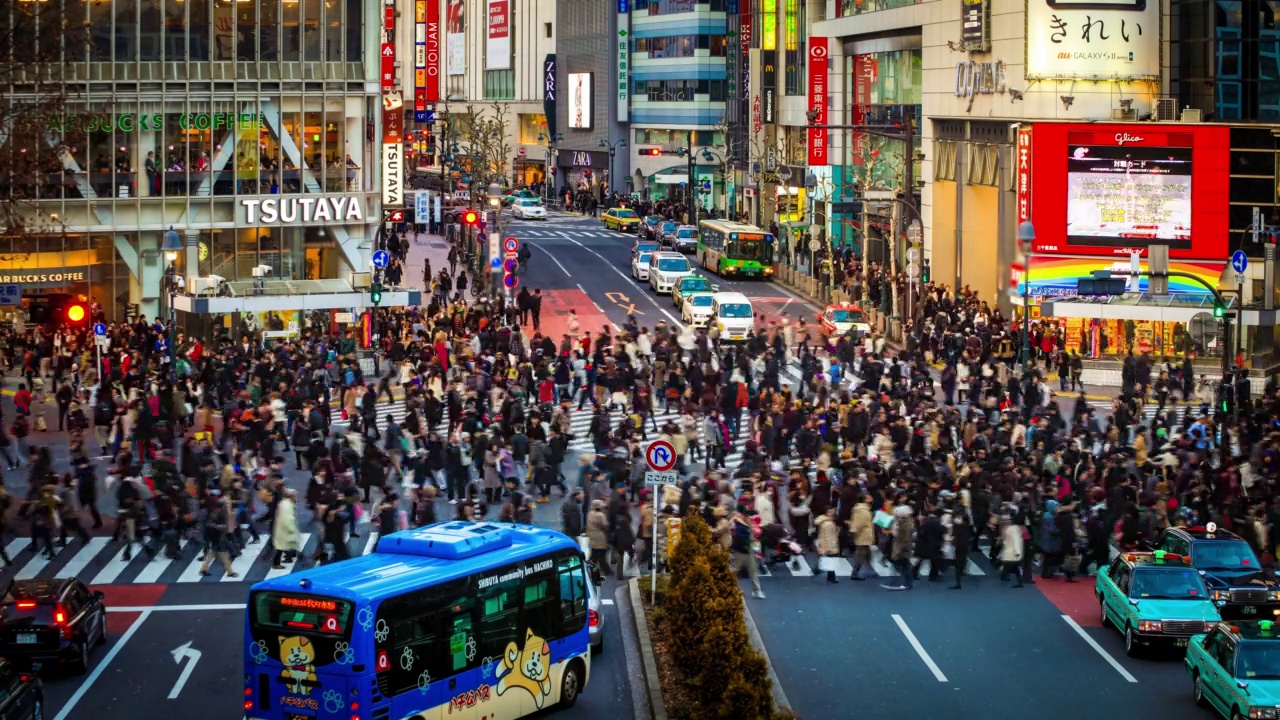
130, 122
301, 210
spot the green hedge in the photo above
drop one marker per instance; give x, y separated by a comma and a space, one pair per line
701, 611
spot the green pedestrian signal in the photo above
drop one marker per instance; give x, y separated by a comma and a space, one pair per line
375, 293
1218, 310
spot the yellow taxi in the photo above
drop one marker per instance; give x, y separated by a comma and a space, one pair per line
620, 219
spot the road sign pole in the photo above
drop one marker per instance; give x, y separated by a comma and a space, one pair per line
653, 542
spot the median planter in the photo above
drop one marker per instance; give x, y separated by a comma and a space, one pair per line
703, 657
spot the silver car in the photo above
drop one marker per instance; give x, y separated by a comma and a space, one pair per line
595, 616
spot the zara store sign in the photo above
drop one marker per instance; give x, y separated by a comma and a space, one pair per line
301, 210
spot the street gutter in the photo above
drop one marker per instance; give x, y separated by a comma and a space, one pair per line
658, 710
779, 695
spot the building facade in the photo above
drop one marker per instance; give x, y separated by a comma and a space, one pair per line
245, 127
588, 123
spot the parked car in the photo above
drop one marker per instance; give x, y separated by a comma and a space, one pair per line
527, 209
640, 266
51, 621
649, 226
666, 232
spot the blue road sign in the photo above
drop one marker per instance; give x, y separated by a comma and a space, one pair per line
706, 184
1239, 261
509, 265
99, 329
495, 263
429, 117
381, 258
510, 281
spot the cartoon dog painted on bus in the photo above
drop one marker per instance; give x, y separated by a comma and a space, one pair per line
528, 669
298, 656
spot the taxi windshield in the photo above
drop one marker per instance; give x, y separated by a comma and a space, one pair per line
668, 227
1224, 555
701, 300
644, 258
1258, 660
849, 316
646, 246
686, 233
624, 213
1169, 583
694, 285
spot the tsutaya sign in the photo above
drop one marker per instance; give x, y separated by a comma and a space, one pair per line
284, 210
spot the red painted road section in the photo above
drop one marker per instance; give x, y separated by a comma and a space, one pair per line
1074, 599
556, 305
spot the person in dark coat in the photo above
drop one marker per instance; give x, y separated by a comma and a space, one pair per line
961, 536
571, 515
929, 540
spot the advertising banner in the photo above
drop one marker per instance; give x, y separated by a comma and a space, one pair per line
624, 60
497, 47
973, 25
1023, 173
426, 56
549, 91
1056, 276
864, 80
768, 24
392, 175
580, 109
1093, 40
456, 38
818, 99
1117, 189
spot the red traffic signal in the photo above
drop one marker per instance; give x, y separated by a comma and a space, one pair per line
470, 217
651, 152
76, 313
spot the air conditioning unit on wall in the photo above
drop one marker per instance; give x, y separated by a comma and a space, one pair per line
1128, 114
1166, 110
1192, 115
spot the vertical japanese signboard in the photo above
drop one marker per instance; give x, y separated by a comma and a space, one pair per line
974, 36
392, 114
1111, 40
426, 60
1023, 173
818, 99
864, 80
497, 48
624, 59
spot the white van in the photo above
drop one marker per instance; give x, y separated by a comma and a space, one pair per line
732, 313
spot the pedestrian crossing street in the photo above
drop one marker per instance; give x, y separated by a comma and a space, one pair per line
1149, 411
807, 566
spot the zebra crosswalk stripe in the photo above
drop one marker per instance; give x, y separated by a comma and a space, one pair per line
84, 556
843, 568
289, 564
112, 570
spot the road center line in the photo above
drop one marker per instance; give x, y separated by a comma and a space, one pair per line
553, 259
97, 671
631, 282
911, 638
1098, 649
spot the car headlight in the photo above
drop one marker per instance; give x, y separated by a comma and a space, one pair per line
1220, 595
1273, 595
1209, 625
768, 271
1153, 626
1263, 713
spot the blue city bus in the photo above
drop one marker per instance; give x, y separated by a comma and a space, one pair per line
452, 620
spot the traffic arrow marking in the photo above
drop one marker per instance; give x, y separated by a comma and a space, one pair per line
183, 651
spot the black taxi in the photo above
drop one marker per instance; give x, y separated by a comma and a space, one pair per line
1236, 581
51, 621
21, 694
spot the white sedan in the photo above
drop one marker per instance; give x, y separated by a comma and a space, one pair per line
640, 266
695, 309
528, 209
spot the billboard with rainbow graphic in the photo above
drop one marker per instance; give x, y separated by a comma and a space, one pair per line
1056, 276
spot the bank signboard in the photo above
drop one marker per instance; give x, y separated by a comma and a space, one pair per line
1116, 189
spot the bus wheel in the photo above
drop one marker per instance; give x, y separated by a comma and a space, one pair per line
571, 685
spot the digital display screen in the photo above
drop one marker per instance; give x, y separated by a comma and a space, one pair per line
1133, 196
301, 613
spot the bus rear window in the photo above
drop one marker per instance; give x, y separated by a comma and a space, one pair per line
301, 613
735, 310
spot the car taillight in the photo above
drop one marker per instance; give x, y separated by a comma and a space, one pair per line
26, 604
593, 618
60, 620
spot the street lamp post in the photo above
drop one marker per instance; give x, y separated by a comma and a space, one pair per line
1026, 237
171, 245
613, 150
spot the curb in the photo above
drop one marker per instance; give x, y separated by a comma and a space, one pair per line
651, 682
631, 655
779, 695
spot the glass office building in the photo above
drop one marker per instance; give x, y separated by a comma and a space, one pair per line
247, 126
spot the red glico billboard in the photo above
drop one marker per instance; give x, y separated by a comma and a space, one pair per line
1111, 190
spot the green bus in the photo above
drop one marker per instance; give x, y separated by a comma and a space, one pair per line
735, 249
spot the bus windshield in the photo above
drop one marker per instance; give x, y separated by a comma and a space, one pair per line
747, 250
735, 310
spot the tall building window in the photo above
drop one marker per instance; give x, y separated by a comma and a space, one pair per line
499, 84
795, 82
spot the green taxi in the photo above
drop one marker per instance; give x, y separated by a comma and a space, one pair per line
688, 285
1156, 599
1235, 669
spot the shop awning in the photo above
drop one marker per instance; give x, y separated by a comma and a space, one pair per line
671, 176
280, 295
1134, 306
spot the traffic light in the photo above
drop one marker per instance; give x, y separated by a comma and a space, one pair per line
1218, 310
76, 314
470, 217
651, 152
587, 174
375, 293
924, 272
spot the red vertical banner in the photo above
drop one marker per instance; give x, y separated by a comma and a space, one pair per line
388, 50
818, 99
863, 80
432, 85
1023, 173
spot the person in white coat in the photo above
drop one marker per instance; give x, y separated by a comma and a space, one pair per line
284, 531
1012, 547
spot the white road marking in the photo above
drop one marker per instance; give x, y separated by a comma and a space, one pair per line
911, 638
175, 608
106, 661
114, 567
627, 278
157, 565
1098, 649
371, 543
288, 566
606, 602
241, 565
554, 260
84, 557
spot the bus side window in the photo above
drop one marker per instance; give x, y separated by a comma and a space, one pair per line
541, 613
413, 629
573, 594
499, 619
